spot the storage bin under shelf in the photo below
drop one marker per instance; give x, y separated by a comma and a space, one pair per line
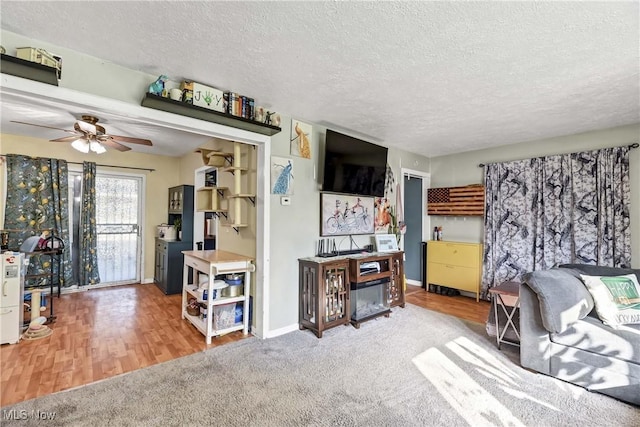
201, 325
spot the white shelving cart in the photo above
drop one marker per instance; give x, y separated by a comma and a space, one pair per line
213, 263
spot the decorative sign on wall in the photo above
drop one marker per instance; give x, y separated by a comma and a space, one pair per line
468, 201
208, 97
343, 214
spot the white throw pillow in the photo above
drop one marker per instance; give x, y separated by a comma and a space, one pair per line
617, 298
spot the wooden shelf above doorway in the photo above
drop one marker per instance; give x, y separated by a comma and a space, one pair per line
177, 107
28, 70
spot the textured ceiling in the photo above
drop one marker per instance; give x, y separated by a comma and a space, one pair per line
429, 77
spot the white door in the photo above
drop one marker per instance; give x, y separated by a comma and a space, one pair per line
118, 219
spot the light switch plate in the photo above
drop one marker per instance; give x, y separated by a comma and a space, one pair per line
285, 200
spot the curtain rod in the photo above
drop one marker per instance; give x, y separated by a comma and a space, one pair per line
634, 145
106, 166
120, 167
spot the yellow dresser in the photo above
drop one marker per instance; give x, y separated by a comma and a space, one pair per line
455, 265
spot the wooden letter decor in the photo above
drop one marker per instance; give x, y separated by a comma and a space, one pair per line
467, 200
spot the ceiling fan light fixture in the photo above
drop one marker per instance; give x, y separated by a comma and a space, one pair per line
81, 145
96, 147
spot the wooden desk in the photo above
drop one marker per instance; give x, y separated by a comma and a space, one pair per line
507, 296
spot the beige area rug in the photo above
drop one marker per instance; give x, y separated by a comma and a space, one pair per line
416, 368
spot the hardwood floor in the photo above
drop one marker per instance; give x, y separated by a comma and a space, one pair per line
98, 334
458, 306
106, 332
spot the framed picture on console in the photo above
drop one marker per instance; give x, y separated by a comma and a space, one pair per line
345, 214
386, 243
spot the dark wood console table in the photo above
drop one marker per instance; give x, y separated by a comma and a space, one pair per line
325, 288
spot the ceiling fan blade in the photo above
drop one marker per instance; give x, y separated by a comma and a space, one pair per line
42, 126
130, 140
111, 143
66, 139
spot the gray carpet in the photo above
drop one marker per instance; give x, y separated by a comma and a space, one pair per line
416, 368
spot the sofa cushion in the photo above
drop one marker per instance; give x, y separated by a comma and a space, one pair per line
563, 297
617, 298
591, 335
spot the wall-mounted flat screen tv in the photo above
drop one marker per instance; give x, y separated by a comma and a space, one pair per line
353, 166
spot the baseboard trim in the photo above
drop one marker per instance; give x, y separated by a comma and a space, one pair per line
147, 280
413, 282
281, 331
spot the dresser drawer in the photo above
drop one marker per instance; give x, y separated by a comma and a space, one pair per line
464, 255
161, 246
463, 278
232, 267
196, 264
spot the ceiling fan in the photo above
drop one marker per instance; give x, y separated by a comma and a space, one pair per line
88, 135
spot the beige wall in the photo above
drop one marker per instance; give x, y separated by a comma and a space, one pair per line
166, 175
462, 169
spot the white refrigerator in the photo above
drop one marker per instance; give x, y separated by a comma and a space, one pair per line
11, 297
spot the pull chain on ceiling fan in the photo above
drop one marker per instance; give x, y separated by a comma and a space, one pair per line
90, 136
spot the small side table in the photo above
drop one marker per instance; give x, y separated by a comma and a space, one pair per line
507, 296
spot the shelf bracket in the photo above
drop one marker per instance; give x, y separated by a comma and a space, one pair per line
220, 192
237, 229
252, 200
218, 214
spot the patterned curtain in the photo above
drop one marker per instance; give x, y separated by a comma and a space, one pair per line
546, 211
89, 274
37, 202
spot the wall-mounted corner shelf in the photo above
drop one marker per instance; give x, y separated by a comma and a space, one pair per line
28, 70
228, 157
251, 197
236, 227
233, 169
207, 199
218, 214
177, 107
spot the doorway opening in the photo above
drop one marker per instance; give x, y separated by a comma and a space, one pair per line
414, 190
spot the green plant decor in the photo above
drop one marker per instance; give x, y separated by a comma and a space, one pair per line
177, 223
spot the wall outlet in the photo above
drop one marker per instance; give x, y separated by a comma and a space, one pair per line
285, 200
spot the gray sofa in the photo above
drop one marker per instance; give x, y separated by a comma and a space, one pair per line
562, 336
